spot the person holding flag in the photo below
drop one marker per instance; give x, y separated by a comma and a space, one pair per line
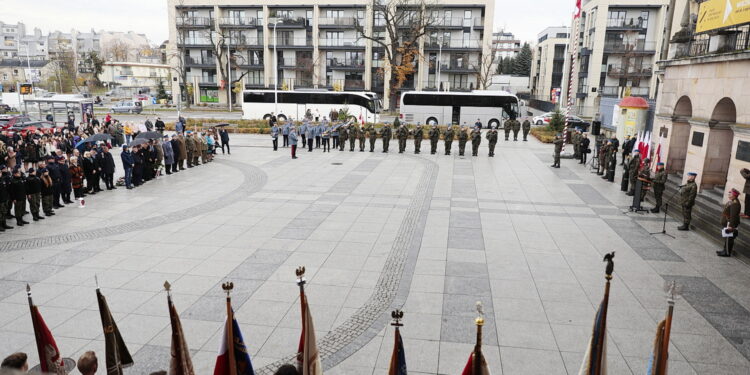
233, 357
477, 365
595, 358
308, 358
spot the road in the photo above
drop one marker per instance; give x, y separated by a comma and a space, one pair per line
170, 116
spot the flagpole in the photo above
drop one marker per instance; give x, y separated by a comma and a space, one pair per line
301, 281
664, 352
574, 28
605, 306
479, 321
228, 286
397, 315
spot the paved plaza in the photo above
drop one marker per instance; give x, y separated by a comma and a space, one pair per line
431, 234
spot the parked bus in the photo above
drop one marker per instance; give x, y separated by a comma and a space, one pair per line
260, 104
492, 108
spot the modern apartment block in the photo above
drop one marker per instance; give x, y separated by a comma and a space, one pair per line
318, 45
17, 44
548, 63
618, 45
505, 44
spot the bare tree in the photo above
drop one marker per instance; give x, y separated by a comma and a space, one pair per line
117, 50
177, 58
485, 69
403, 22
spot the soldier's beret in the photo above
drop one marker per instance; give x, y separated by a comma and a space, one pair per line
660, 163
692, 174
735, 192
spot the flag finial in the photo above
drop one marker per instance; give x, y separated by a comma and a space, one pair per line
300, 272
673, 291
480, 310
167, 286
397, 315
96, 280
610, 265
28, 290
227, 286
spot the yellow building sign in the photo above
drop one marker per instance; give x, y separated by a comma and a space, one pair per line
717, 14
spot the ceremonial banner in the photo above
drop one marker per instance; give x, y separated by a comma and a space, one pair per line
398, 358
307, 353
241, 357
50, 360
657, 357
180, 364
595, 359
718, 14
117, 354
470, 365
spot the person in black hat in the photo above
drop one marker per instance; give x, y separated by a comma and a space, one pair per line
34, 194
47, 192
18, 195
56, 176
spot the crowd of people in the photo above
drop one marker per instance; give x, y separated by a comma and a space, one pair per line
639, 178
41, 169
313, 134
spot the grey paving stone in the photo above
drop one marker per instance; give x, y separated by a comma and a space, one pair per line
465, 305
462, 329
465, 238
465, 269
467, 285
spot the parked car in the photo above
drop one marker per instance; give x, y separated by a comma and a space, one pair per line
4, 108
24, 124
542, 119
577, 122
128, 106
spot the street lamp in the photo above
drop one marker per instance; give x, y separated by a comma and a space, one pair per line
275, 70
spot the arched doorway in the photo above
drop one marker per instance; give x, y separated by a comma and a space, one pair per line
678, 142
719, 147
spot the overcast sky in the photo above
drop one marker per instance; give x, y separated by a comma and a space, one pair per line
524, 18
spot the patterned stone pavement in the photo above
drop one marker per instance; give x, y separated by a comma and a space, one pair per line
429, 234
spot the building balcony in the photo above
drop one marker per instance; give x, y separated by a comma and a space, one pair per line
295, 64
338, 22
195, 42
207, 81
194, 22
378, 64
460, 44
341, 43
239, 22
630, 48
298, 43
289, 23
345, 84
457, 23
245, 41
620, 71
250, 64
345, 64
627, 24
295, 83
458, 67
206, 62
617, 91
255, 83
585, 51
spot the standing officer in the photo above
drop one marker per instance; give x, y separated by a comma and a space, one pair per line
434, 135
448, 139
310, 135
34, 194
303, 132
687, 198
190, 147
492, 138
462, 138
644, 174
285, 133
385, 134
5, 197
476, 139
516, 128
353, 135
343, 134
730, 220
657, 184
575, 139
373, 134
335, 135
361, 136
584, 148
558, 142
507, 127
526, 129
402, 134
418, 137
275, 136
633, 168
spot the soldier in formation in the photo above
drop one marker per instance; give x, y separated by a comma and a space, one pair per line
434, 135
558, 142
526, 129
373, 136
361, 136
575, 139
476, 139
402, 134
353, 135
516, 128
462, 138
492, 140
448, 136
507, 128
343, 134
386, 136
418, 137
687, 199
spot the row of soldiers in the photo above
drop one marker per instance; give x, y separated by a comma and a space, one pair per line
341, 133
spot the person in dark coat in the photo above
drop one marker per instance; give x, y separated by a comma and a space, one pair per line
66, 180
108, 168
18, 196
34, 194
139, 157
4, 198
746, 190
176, 152
159, 125
585, 142
128, 164
88, 171
47, 192
55, 174
730, 220
224, 137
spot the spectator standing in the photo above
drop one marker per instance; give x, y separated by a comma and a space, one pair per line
76, 178
159, 125
166, 146
127, 165
224, 137
108, 168
293, 141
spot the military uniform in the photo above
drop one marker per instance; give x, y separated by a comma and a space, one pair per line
526, 129
353, 135
575, 139
373, 134
34, 194
476, 139
645, 174
448, 136
402, 134
418, 137
343, 134
687, 200
18, 196
434, 135
385, 134
657, 184
516, 126
730, 217
361, 136
190, 146
462, 138
4, 196
492, 139
611, 166
633, 168
558, 149
507, 127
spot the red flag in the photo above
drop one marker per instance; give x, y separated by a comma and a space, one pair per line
50, 360
577, 12
308, 359
180, 363
469, 368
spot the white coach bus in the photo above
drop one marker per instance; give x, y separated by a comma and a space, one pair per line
492, 108
260, 104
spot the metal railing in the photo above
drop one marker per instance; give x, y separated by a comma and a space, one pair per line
617, 70
240, 21
195, 21
458, 65
627, 23
341, 42
196, 41
453, 43
345, 63
296, 63
458, 22
292, 83
625, 47
736, 40
207, 79
617, 90
200, 61
244, 41
339, 21
292, 42
298, 21
345, 84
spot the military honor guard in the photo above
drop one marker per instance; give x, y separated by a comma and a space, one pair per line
373, 136
418, 138
385, 135
634, 166
403, 134
730, 220
462, 138
492, 141
434, 136
448, 136
526, 129
476, 139
507, 128
516, 127
687, 199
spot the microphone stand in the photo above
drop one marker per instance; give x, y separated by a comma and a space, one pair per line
666, 208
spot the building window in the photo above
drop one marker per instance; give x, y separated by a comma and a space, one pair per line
334, 13
285, 14
379, 18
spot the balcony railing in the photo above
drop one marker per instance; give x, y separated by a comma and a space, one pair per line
342, 42
345, 84
627, 23
244, 41
292, 83
617, 90
200, 61
207, 79
621, 47
617, 70
196, 41
457, 65
452, 43
345, 63
458, 22
292, 42
339, 21
241, 21
300, 63
195, 21
734, 40
378, 63
291, 22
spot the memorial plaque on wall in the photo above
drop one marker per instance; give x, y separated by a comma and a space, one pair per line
743, 151
697, 139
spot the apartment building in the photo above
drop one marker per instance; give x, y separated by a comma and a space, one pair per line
16, 43
548, 63
318, 45
618, 45
505, 44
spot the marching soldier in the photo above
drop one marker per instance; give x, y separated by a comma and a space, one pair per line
657, 184
516, 128
361, 133
386, 135
18, 196
507, 127
418, 137
462, 138
687, 199
373, 134
448, 139
526, 129
476, 139
34, 194
434, 135
492, 138
558, 142
730, 220
343, 134
403, 135
633, 168
353, 135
